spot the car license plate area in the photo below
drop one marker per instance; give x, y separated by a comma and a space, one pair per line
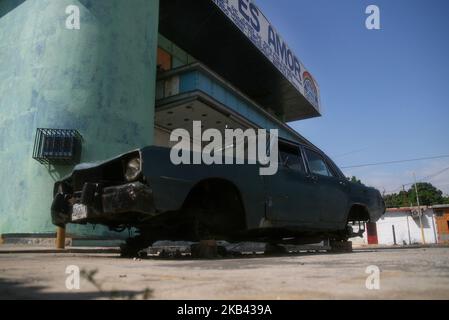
79, 212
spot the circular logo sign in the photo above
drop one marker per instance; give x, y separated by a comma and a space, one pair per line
310, 89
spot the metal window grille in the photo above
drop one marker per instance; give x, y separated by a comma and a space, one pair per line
57, 146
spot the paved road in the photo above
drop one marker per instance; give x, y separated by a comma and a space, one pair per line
405, 274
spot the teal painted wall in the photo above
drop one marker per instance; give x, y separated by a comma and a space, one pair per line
99, 80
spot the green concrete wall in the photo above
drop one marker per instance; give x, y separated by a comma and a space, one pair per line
99, 80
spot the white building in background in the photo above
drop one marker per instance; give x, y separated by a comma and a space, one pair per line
402, 226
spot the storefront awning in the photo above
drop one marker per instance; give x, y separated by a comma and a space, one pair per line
250, 54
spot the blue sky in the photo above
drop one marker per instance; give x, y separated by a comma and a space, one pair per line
385, 93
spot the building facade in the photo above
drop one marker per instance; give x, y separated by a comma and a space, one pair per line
131, 73
406, 226
442, 223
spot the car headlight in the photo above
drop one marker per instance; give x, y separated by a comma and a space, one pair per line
133, 169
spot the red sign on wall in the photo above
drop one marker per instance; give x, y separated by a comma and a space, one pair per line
371, 229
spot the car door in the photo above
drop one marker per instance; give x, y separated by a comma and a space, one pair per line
291, 193
332, 190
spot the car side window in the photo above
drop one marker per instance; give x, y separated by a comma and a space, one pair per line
290, 157
317, 165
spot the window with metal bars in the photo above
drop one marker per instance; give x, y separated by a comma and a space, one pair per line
57, 146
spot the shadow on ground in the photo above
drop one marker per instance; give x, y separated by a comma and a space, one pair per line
27, 290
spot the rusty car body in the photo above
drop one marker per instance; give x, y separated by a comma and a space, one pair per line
308, 200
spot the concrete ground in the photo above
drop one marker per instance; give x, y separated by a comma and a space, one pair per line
404, 274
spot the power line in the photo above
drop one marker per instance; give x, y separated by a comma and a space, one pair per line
443, 185
393, 162
428, 178
349, 153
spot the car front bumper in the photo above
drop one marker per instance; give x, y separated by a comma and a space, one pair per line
122, 204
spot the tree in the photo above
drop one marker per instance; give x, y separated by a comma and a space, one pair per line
395, 200
428, 195
445, 200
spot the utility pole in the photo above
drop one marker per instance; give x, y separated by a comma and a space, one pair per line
394, 235
419, 211
408, 223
